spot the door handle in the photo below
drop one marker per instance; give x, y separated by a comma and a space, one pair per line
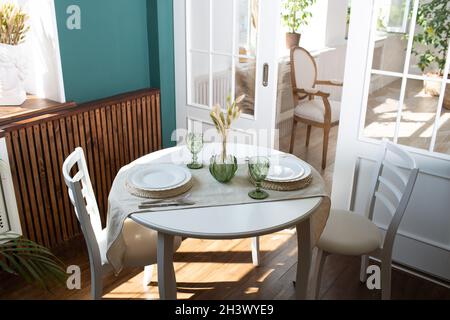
265, 82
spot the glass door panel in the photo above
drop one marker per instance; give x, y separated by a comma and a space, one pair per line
443, 135
405, 87
227, 66
222, 26
418, 116
198, 25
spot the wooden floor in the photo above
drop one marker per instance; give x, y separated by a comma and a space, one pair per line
223, 269
418, 116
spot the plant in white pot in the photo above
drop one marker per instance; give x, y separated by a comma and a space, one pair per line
13, 29
295, 15
431, 42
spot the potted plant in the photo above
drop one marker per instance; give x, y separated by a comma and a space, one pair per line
431, 43
34, 263
295, 15
224, 166
13, 29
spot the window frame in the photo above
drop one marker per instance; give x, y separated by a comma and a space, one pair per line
404, 76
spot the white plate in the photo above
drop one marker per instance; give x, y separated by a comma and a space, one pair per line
155, 177
285, 169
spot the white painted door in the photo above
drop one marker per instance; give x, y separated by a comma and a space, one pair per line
384, 97
227, 48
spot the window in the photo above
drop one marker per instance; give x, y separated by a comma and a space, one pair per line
407, 87
393, 15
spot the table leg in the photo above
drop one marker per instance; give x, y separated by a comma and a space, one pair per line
255, 251
166, 274
304, 259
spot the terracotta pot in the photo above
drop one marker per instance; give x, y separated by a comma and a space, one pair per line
434, 88
446, 104
292, 39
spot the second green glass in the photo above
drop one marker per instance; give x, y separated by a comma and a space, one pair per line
258, 168
194, 142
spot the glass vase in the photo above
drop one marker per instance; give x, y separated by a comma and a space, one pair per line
223, 168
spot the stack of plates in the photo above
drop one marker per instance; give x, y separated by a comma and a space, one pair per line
158, 181
287, 173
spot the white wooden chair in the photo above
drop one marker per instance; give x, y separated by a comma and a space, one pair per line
350, 233
322, 112
141, 242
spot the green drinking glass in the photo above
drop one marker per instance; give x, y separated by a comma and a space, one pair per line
194, 143
258, 168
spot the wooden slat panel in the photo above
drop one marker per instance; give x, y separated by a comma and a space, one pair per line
47, 177
110, 139
130, 131
101, 147
145, 126
33, 172
67, 140
17, 175
120, 135
112, 132
139, 126
57, 149
158, 133
150, 120
155, 120
126, 147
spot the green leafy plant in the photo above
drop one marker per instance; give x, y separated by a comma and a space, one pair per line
31, 261
296, 14
13, 24
431, 40
222, 121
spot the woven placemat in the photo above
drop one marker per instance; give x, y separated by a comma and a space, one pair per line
163, 194
285, 186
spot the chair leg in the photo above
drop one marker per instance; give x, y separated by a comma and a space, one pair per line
386, 268
326, 134
363, 270
96, 285
320, 262
308, 134
148, 273
294, 131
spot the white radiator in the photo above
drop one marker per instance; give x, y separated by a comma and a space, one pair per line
221, 88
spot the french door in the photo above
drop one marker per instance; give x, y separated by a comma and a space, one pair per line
227, 48
391, 94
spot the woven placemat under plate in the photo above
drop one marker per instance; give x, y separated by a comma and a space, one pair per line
285, 186
163, 194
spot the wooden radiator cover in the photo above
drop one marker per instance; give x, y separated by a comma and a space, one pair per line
113, 132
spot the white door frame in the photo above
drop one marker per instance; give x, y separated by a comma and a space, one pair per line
419, 249
265, 97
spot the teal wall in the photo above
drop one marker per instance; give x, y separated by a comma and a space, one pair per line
123, 45
163, 69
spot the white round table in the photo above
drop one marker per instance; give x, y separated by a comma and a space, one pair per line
231, 222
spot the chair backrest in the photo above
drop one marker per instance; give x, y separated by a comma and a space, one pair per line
303, 69
392, 187
83, 199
